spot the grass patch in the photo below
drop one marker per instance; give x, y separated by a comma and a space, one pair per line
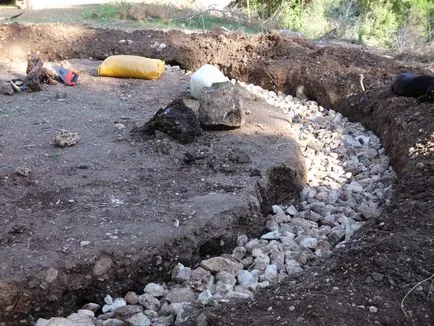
168, 16
107, 12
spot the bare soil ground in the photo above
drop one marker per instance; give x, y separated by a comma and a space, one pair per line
399, 245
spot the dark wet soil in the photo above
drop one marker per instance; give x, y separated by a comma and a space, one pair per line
399, 246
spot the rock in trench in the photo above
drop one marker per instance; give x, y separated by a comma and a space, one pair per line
219, 264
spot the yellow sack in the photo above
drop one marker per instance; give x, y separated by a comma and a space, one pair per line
131, 66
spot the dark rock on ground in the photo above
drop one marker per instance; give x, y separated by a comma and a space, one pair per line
176, 119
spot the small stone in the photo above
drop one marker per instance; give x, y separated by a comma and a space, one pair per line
182, 294
92, 307
279, 214
226, 278
106, 316
264, 284
247, 261
127, 311
81, 319
377, 276
238, 295
239, 288
119, 126
377, 169
291, 210
308, 215
166, 309
242, 240
201, 279
368, 210
86, 312
84, 243
108, 299
181, 274
149, 301
272, 225
354, 186
184, 311
351, 228
246, 279
277, 210
66, 139
102, 266
305, 224
55, 321
204, 297
262, 261
322, 250
363, 140
40, 322
318, 207
224, 286
150, 313
373, 309
51, 275
307, 193
6, 88
202, 320
155, 290
277, 258
309, 242
293, 267
336, 234
163, 320
239, 252
117, 303
305, 256
219, 264
369, 280
274, 235
23, 171
252, 244
270, 273
139, 319
132, 298
113, 322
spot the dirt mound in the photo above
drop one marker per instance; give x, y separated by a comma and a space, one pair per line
386, 258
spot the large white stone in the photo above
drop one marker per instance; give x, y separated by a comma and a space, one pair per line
219, 264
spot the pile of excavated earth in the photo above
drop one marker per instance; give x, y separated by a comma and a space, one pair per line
349, 180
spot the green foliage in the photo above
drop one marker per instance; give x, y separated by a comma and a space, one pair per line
104, 12
314, 21
290, 13
165, 16
112, 10
370, 21
380, 22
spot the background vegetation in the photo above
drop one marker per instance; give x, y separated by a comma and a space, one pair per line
399, 23
403, 25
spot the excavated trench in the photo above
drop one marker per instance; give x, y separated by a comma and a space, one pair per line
331, 76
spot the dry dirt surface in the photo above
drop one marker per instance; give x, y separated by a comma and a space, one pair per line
398, 246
